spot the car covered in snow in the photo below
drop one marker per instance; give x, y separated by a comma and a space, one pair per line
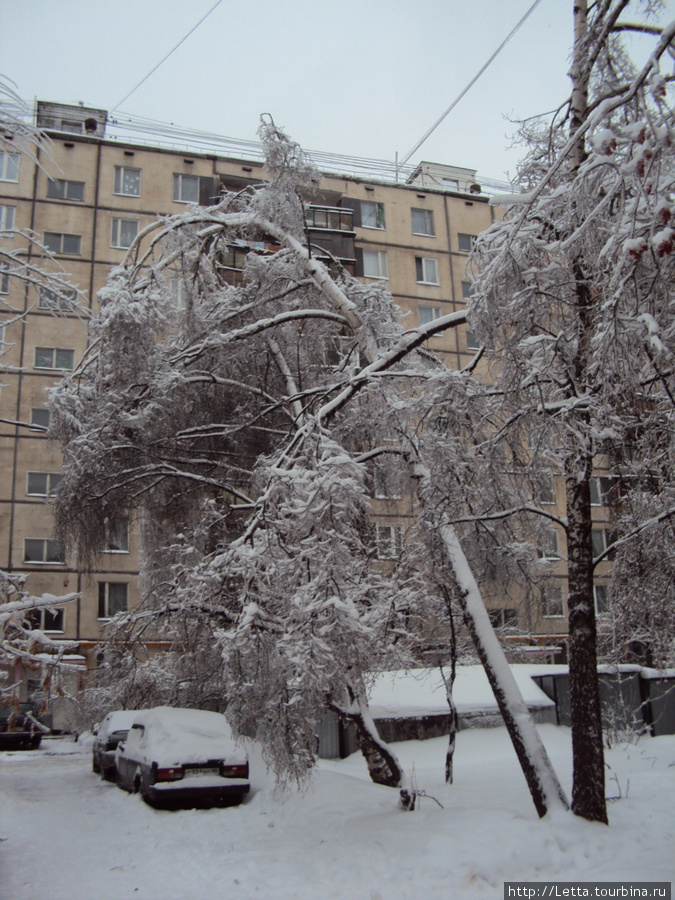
111, 732
20, 728
182, 757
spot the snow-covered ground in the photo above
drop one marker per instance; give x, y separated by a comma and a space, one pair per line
67, 835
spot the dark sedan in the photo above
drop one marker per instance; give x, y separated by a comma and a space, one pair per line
20, 729
182, 757
112, 731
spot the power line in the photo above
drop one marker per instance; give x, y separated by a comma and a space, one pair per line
470, 84
154, 69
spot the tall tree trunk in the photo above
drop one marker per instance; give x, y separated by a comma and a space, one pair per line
588, 787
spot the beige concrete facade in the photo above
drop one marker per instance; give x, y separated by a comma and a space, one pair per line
416, 236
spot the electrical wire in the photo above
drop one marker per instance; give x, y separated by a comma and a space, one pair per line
154, 69
470, 84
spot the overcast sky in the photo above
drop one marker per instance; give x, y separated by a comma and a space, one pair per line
358, 77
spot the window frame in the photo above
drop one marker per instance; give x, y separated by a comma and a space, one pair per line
546, 600
549, 544
34, 417
421, 267
428, 216
436, 313
67, 192
471, 241
389, 547
38, 619
54, 351
103, 610
602, 608
52, 481
119, 178
50, 547
382, 264
178, 179
112, 533
4, 278
6, 167
7, 219
66, 301
116, 225
63, 240
378, 217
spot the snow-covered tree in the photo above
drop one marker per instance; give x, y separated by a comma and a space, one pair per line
240, 429
20, 642
574, 298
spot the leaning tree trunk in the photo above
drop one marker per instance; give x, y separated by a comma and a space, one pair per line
383, 764
542, 781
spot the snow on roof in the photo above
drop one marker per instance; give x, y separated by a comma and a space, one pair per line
421, 692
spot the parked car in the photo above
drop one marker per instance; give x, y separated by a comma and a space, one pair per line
113, 729
20, 730
182, 757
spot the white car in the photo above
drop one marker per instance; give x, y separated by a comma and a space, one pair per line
182, 757
112, 730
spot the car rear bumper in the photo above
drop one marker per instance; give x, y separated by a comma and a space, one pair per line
200, 790
19, 740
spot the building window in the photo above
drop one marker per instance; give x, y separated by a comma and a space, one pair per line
601, 598
39, 417
60, 189
465, 242
604, 490
66, 299
4, 278
423, 222
9, 166
42, 550
112, 598
450, 184
117, 536
6, 219
472, 342
386, 482
127, 181
544, 490
426, 270
503, 618
427, 314
552, 605
42, 484
178, 293
46, 619
186, 188
372, 214
70, 244
389, 541
375, 264
548, 548
54, 358
467, 291
602, 539
123, 233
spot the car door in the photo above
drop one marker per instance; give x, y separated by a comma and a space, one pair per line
128, 759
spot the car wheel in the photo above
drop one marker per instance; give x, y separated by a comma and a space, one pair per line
95, 767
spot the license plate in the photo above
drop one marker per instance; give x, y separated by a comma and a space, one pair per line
202, 771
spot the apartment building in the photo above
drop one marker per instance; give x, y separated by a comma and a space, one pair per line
86, 201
